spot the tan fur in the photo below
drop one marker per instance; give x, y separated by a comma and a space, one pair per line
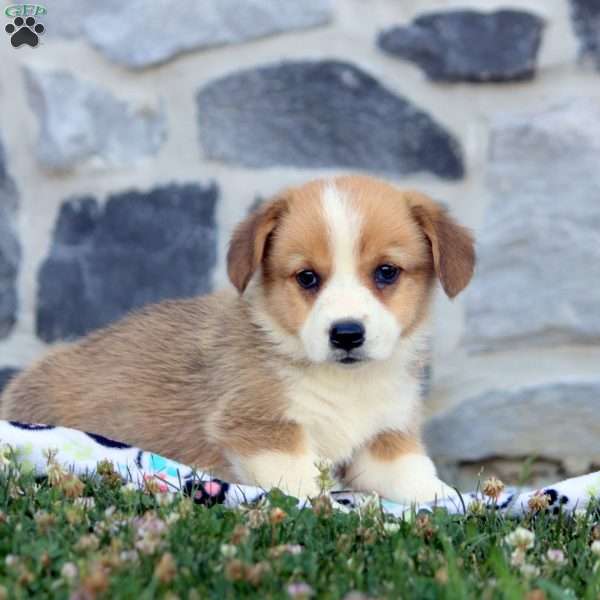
451, 244
300, 242
210, 381
249, 241
166, 379
392, 236
389, 445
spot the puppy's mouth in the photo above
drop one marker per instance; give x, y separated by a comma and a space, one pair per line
350, 358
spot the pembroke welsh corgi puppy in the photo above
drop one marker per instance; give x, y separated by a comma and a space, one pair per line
315, 355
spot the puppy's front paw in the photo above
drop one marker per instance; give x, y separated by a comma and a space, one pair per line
414, 479
420, 490
296, 475
407, 479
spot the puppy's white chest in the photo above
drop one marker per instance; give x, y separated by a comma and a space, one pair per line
341, 412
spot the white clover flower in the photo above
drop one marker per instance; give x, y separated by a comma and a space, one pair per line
129, 556
556, 556
6, 454
521, 538
256, 518
293, 549
129, 490
69, 571
85, 502
529, 571
390, 527
11, 560
299, 590
228, 550
150, 531
164, 498
517, 557
172, 518
55, 472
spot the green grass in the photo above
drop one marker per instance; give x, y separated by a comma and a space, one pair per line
129, 545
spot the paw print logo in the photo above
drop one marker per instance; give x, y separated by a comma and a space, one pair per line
24, 31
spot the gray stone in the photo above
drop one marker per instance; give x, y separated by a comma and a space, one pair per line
6, 374
516, 471
539, 249
466, 45
317, 115
10, 251
138, 33
586, 22
80, 122
137, 249
66, 17
555, 421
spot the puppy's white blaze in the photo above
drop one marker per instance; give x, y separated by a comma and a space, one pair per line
344, 296
409, 478
344, 226
294, 474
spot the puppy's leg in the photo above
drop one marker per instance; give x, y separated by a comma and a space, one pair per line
295, 474
394, 465
281, 459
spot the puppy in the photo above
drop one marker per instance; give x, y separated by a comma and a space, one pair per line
315, 357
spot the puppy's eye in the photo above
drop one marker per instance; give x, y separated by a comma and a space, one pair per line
385, 275
308, 280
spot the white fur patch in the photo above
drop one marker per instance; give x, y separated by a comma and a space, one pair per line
344, 297
344, 226
342, 407
295, 474
409, 478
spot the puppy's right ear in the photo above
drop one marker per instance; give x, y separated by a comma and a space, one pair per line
249, 242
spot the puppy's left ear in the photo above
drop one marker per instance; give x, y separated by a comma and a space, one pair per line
452, 245
248, 244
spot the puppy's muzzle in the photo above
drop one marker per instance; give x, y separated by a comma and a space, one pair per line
347, 335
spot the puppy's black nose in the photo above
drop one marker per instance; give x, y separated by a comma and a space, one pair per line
347, 335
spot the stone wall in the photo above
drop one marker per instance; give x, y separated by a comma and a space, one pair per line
136, 134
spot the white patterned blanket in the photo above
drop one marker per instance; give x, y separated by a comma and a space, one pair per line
81, 452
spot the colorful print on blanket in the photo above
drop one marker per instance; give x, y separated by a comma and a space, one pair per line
81, 452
